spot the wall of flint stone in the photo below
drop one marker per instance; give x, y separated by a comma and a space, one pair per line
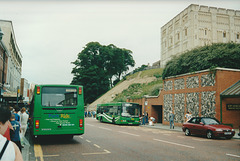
179, 84
193, 103
179, 106
168, 106
168, 85
208, 103
192, 100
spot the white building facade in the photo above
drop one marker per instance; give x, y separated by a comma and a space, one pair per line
198, 26
14, 70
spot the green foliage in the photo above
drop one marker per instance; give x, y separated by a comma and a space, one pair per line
138, 90
207, 57
95, 67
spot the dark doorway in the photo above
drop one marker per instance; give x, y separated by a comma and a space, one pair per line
158, 112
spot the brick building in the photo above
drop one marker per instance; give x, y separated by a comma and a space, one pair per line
203, 93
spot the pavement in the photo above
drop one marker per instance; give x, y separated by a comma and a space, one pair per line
178, 128
25, 150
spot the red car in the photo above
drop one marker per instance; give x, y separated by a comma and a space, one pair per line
207, 126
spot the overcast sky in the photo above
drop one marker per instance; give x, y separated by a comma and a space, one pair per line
50, 34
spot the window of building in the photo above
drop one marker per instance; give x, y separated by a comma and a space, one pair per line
185, 31
224, 34
178, 36
205, 31
238, 35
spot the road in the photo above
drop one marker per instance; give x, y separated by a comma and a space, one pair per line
109, 142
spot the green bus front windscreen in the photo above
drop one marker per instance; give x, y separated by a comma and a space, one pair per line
59, 96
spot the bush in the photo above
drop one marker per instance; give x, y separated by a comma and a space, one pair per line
217, 55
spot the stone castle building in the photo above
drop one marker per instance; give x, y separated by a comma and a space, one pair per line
198, 26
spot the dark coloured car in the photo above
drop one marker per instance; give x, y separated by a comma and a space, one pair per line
207, 126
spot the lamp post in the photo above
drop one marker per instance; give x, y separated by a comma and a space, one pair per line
17, 94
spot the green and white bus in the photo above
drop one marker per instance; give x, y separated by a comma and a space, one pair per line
57, 110
119, 113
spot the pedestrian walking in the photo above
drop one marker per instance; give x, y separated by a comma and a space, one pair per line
15, 136
23, 121
171, 120
143, 119
8, 150
17, 116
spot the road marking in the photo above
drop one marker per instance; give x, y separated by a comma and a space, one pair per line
232, 155
97, 145
174, 143
105, 128
38, 151
98, 153
167, 134
89, 124
80, 137
88, 141
201, 139
128, 133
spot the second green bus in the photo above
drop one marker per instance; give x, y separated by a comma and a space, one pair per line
119, 113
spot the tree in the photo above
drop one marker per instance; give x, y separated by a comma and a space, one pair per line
226, 55
95, 67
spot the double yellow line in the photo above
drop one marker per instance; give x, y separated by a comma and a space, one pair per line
38, 152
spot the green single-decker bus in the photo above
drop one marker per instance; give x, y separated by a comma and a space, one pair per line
119, 113
57, 110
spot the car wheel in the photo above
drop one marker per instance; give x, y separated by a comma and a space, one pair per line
187, 132
209, 134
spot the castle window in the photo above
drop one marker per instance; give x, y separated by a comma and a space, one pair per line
186, 32
237, 36
224, 34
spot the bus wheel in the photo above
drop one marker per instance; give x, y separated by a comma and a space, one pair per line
101, 119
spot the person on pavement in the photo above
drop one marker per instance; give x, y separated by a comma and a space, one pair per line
171, 120
8, 150
15, 137
23, 121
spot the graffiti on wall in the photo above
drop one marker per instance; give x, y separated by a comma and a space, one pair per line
193, 103
179, 106
208, 104
168, 105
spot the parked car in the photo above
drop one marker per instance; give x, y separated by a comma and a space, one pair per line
207, 126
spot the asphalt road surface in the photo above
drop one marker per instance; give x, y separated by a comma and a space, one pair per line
107, 142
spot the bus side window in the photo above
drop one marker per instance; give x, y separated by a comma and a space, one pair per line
119, 110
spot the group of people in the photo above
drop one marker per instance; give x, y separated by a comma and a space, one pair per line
13, 126
188, 116
147, 120
90, 114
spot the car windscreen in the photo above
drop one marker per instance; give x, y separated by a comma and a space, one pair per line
59, 96
210, 121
